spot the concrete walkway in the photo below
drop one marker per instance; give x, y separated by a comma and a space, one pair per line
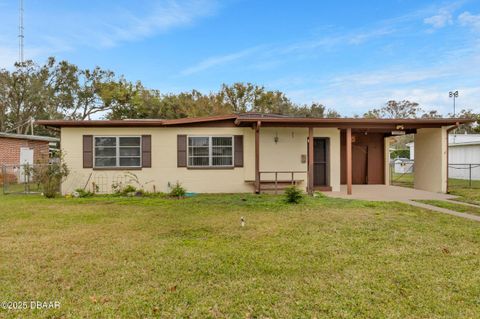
442, 210
400, 194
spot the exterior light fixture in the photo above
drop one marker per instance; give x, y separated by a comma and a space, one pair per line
275, 139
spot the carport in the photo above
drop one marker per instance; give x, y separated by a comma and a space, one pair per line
365, 153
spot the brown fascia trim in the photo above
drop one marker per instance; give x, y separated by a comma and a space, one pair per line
200, 119
355, 121
99, 123
265, 121
135, 123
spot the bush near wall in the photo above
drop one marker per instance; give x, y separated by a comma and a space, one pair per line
400, 153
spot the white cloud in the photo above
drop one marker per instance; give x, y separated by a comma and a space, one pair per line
8, 56
274, 54
440, 20
269, 55
163, 17
357, 101
217, 61
355, 93
95, 27
361, 37
470, 20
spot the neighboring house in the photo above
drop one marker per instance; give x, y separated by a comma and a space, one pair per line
403, 165
246, 152
411, 147
16, 149
463, 155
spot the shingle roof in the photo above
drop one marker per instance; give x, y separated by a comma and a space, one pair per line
29, 137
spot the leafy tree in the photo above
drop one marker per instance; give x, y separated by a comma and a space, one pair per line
62, 90
79, 91
432, 114
25, 93
50, 91
473, 128
395, 110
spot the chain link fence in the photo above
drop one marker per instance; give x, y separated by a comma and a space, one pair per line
20, 179
464, 175
402, 173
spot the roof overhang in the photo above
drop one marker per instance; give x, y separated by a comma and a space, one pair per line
380, 125
29, 137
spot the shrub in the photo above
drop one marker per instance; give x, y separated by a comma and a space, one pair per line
124, 190
50, 177
293, 195
400, 153
177, 190
128, 189
83, 193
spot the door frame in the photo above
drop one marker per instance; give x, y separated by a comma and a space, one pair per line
327, 164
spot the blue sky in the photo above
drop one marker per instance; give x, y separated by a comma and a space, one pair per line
348, 55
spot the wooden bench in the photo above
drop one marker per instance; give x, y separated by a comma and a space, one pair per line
277, 184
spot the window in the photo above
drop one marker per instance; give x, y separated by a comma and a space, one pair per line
206, 151
111, 151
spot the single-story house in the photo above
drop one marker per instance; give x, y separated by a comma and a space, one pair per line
463, 156
247, 152
17, 149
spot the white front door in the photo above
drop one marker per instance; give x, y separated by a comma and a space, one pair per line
26, 158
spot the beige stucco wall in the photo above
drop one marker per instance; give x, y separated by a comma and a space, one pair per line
164, 168
334, 135
286, 155
431, 159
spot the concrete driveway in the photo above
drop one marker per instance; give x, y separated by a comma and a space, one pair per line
400, 194
386, 193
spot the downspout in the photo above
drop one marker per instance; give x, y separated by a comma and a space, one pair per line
448, 132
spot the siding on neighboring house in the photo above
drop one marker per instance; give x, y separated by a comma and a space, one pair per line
10, 150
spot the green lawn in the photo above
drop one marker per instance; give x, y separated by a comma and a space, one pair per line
468, 195
155, 257
453, 206
404, 180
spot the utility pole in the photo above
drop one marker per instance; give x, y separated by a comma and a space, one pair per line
20, 32
31, 125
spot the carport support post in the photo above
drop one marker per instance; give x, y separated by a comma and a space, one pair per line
349, 161
310, 161
257, 157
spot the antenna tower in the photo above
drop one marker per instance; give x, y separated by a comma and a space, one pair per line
20, 32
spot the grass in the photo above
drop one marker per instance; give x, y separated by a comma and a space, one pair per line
459, 187
456, 207
107, 257
404, 180
467, 195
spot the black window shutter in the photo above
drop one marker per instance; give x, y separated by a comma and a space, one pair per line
181, 151
146, 151
238, 146
87, 151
